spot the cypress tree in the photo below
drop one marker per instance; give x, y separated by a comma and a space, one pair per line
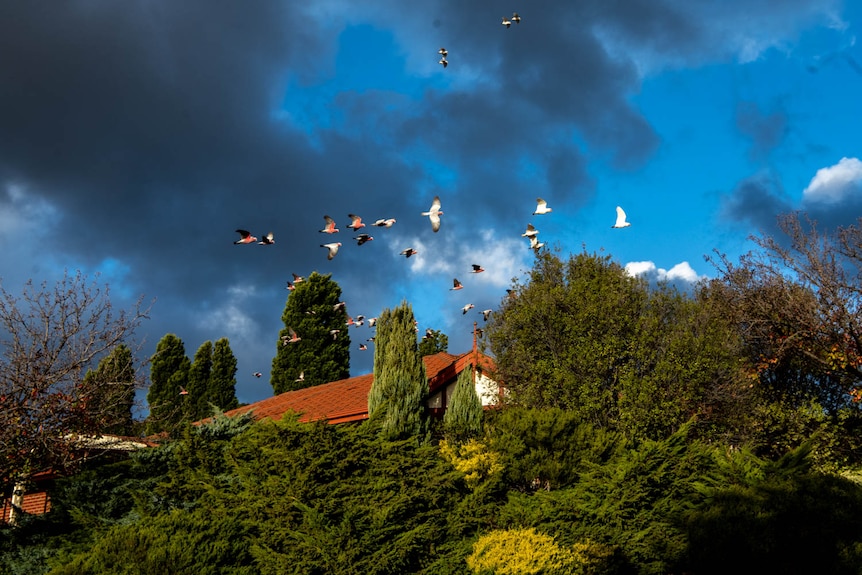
169, 373
400, 387
197, 403
222, 384
313, 310
463, 418
111, 391
434, 341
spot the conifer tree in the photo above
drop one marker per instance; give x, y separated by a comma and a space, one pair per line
463, 418
315, 312
169, 373
434, 341
222, 384
110, 390
400, 387
196, 405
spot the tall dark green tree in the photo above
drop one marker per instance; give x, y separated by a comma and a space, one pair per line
433, 341
314, 311
398, 394
169, 372
196, 404
110, 390
222, 384
463, 418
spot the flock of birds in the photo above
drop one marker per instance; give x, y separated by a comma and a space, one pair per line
434, 214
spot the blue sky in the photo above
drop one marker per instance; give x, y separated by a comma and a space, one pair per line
135, 138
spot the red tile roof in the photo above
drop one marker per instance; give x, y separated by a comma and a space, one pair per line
347, 399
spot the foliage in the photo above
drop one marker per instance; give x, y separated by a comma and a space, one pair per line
585, 336
463, 417
434, 341
113, 384
211, 381
312, 310
222, 384
195, 405
397, 396
520, 552
51, 336
473, 459
169, 372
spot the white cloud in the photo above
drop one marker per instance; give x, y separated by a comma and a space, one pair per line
229, 318
834, 183
681, 272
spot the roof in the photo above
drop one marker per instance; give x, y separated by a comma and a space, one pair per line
346, 400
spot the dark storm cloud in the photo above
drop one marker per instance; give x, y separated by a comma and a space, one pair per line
766, 130
755, 204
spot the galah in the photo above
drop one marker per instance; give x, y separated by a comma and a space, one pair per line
245, 237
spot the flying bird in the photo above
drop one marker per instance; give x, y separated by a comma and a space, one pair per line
183, 391
245, 237
333, 249
409, 252
291, 337
298, 279
485, 314
340, 304
355, 222
301, 377
257, 374
290, 286
477, 269
506, 22
372, 321
516, 18
531, 232
621, 219
541, 207
535, 244
434, 213
334, 333
387, 223
362, 238
467, 308
362, 347
443, 62
330, 226
267, 240
443, 52
456, 285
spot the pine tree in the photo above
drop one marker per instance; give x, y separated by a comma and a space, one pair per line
169, 373
314, 311
110, 390
463, 418
400, 387
197, 402
222, 384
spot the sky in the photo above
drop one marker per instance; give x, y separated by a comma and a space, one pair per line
136, 137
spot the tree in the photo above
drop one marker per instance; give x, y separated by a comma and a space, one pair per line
587, 337
463, 418
113, 384
196, 404
169, 372
434, 341
314, 311
51, 336
397, 396
222, 384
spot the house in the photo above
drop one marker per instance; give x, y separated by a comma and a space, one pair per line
346, 400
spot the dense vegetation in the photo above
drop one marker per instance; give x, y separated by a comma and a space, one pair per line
645, 431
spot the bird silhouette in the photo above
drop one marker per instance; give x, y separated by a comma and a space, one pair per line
267, 240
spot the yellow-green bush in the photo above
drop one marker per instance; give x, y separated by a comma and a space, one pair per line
474, 459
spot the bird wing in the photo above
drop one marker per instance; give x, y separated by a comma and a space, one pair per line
621, 217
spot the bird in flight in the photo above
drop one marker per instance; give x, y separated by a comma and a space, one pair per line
333, 249
355, 222
372, 321
456, 285
385, 223
621, 219
535, 244
290, 286
506, 22
362, 347
341, 304
467, 308
257, 374
267, 240
443, 62
516, 18
183, 391
541, 207
245, 237
531, 232
409, 252
443, 52
291, 337
301, 377
334, 333
298, 279
330, 226
477, 269
362, 238
434, 213
485, 314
